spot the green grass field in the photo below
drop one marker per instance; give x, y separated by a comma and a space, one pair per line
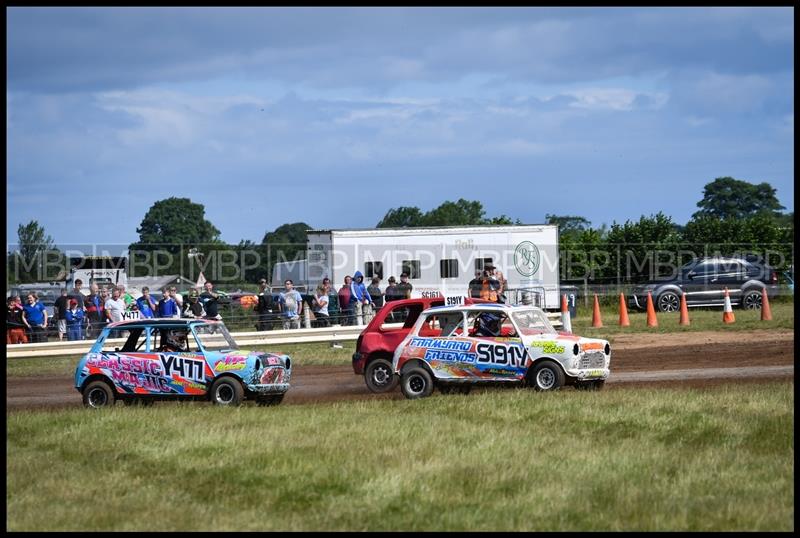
323, 354
641, 459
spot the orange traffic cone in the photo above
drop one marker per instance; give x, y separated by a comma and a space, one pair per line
623, 312
766, 313
684, 311
566, 322
652, 321
596, 321
727, 311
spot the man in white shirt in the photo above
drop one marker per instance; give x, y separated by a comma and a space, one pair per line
115, 306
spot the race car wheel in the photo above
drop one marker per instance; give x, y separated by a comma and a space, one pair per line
379, 376
270, 400
416, 383
227, 391
668, 302
752, 300
547, 376
98, 394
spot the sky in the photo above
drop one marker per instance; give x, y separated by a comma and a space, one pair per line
332, 116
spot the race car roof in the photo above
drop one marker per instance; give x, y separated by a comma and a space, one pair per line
150, 322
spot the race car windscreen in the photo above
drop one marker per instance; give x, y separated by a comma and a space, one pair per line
215, 337
532, 322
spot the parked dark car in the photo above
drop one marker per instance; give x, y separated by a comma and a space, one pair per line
704, 281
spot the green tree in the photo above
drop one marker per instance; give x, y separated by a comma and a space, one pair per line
36, 257
287, 242
644, 249
568, 225
460, 213
169, 230
726, 197
402, 217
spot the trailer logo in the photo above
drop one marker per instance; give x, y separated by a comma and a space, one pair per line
526, 258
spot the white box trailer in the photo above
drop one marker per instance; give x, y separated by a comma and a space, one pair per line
441, 261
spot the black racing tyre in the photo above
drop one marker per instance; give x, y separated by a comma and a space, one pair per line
98, 394
139, 402
379, 376
416, 383
546, 376
275, 399
226, 391
669, 301
751, 300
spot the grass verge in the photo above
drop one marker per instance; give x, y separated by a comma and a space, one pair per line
644, 459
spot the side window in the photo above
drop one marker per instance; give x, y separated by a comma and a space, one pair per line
372, 269
412, 268
707, 268
129, 341
407, 315
448, 268
448, 324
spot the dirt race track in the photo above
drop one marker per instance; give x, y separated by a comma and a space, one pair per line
689, 359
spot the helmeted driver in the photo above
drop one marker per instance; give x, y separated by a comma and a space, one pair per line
175, 341
487, 324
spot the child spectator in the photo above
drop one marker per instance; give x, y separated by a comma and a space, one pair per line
147, 305
74, 321
167, 307
15, 327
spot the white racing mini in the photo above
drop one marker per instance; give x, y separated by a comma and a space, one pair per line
453, 348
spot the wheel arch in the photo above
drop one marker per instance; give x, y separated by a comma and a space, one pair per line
546, 358
100, 377
411, 363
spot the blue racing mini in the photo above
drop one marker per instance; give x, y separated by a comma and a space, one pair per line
141, 361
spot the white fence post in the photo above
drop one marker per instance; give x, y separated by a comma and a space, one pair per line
306, 315
359, 314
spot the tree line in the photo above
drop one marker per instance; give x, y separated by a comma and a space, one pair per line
734, 217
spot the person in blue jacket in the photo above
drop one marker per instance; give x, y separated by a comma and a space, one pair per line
358, 291
74, 321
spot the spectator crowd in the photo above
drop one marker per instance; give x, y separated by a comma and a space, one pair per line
78, 316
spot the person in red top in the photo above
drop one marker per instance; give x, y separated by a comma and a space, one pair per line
15, 327
348, 315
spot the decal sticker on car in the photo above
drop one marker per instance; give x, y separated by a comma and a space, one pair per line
548, 347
